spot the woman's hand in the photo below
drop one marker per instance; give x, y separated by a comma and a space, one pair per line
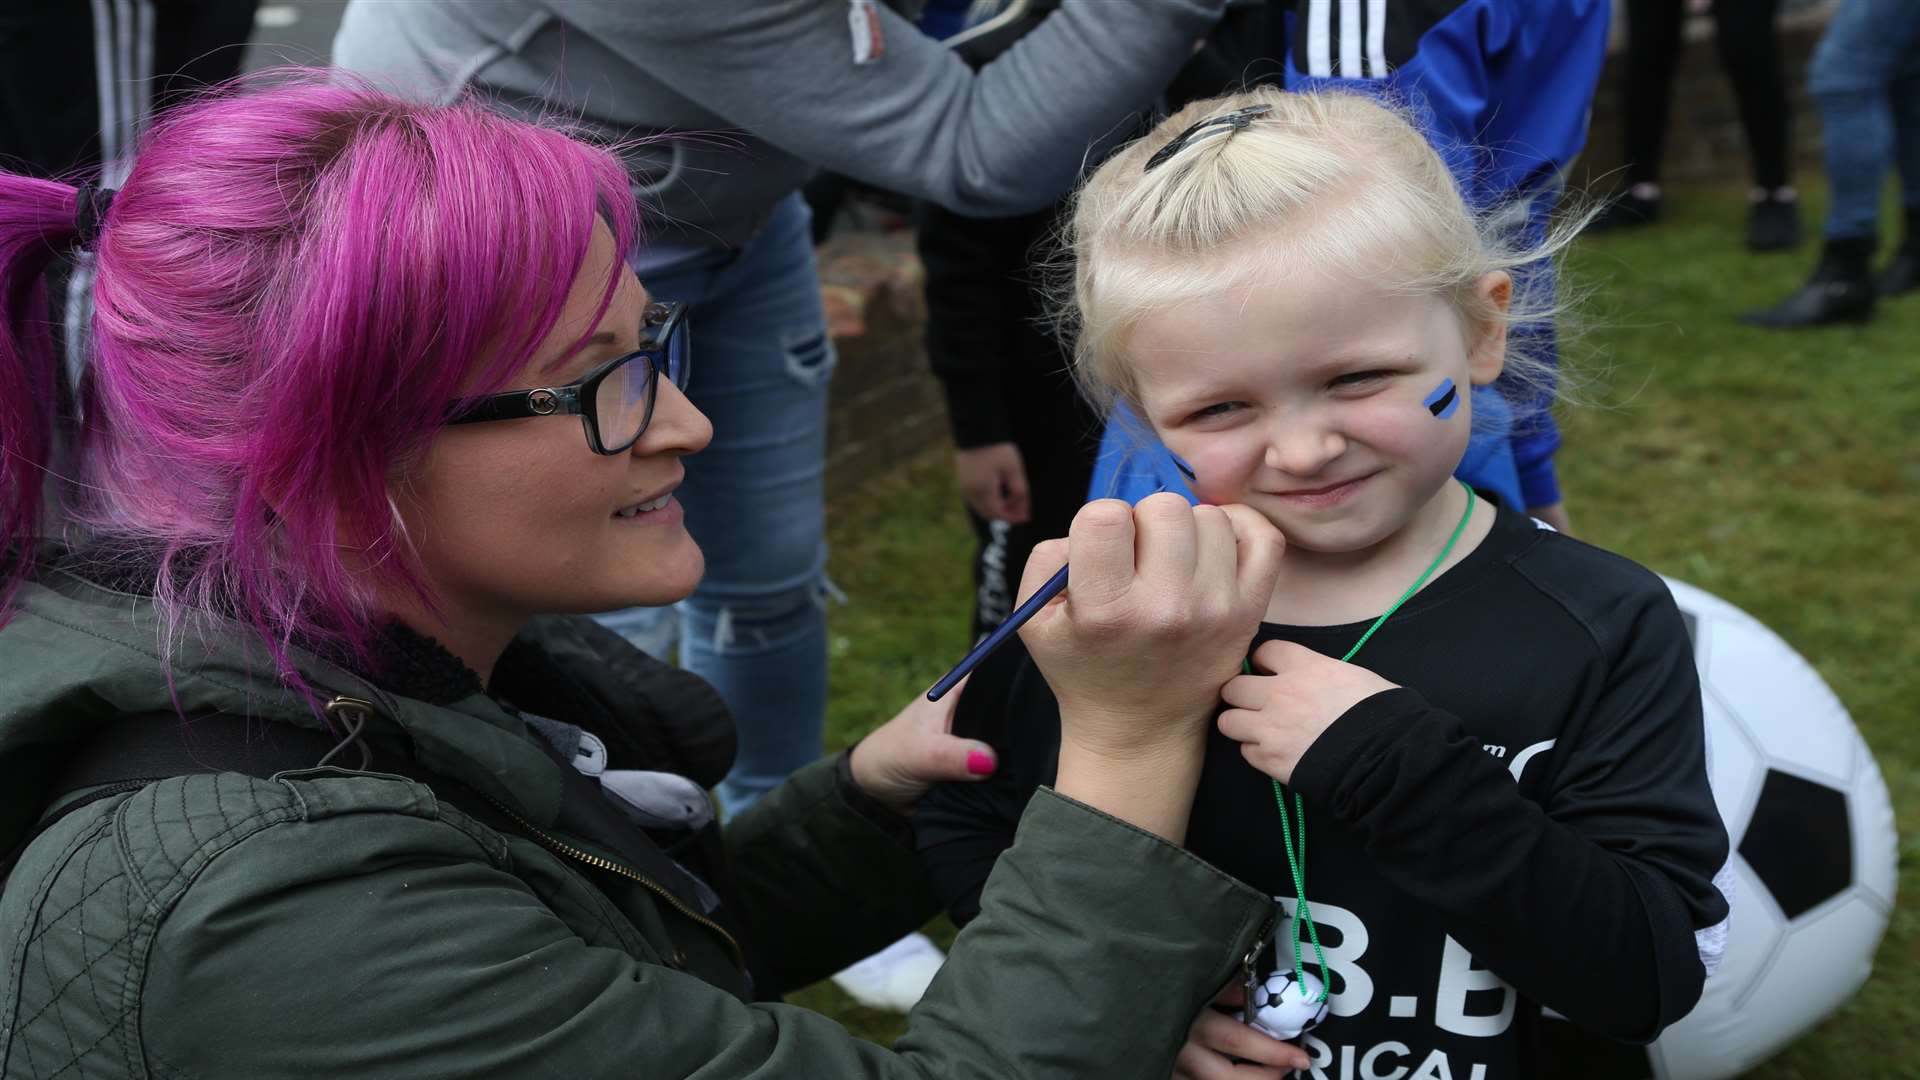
1275, 717
1216, 1038
899, 760
1162, 602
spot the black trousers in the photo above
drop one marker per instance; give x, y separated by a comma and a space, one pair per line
1058, 437
1744, 33
1006, 380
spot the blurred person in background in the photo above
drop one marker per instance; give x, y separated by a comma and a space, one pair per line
1865, 81
79, 83
1743, 33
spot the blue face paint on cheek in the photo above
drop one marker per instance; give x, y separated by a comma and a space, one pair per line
1444, 399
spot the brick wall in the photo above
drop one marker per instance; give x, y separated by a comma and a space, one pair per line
886, 406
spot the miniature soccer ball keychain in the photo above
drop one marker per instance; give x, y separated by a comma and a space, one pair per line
1286, 1004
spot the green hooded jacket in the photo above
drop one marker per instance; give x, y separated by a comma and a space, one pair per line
333, 921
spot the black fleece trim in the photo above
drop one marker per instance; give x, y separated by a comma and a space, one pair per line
415, 665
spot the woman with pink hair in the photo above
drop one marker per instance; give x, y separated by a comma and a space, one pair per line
306, 765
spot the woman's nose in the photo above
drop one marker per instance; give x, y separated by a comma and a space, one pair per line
678, 426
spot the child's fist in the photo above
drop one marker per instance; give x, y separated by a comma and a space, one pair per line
1275, 717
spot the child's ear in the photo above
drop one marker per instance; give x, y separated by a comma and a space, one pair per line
1487, 337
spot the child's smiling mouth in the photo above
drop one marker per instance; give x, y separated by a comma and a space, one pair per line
1326, 495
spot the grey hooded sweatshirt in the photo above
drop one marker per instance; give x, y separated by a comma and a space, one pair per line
758, 93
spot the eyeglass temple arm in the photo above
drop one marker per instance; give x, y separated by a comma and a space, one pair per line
514, 404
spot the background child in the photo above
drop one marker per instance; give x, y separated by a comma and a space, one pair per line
1509, 802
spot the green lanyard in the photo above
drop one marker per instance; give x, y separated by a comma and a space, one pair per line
1295, 858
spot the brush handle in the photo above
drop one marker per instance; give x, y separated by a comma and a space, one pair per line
1054, 586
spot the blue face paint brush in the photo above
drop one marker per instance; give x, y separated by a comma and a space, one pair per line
1053, 587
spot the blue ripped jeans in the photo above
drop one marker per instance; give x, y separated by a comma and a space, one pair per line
756, 627
1865, 79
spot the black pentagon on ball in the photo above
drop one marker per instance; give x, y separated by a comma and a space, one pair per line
1271, 988
1799, 841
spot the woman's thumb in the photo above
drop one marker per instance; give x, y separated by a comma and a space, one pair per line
954, 758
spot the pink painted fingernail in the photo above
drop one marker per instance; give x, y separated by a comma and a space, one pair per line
979, 762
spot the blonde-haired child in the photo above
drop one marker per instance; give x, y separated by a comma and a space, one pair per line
1494, 729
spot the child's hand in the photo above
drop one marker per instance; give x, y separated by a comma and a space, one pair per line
1276, 717
1216, 1037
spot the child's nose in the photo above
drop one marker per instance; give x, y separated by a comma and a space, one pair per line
1302, 448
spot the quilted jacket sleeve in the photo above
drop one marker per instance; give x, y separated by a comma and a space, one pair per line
348, 925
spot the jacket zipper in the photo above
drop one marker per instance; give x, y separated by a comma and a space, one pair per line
107, 791
561, 847
1251, 974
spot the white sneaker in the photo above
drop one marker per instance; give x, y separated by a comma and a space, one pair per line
896, 976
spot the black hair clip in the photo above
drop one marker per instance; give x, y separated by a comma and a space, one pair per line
90, 205
1237, 120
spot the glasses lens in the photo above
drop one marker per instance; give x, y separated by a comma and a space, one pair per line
680, 354
621, 401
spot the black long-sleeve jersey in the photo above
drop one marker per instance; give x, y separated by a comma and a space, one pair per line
1524, 824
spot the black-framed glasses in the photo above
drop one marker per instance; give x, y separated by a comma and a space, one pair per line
615, 400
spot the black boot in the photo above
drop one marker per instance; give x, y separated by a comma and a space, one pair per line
1773, 224
1902, 272
1840, 290
1626, 211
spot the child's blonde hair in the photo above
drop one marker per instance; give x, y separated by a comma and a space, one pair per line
1333, 180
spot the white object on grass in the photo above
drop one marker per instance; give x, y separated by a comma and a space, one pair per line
895, 977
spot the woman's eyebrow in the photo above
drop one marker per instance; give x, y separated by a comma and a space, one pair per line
575, 356
605, 339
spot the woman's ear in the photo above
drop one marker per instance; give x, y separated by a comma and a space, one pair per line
1487, 337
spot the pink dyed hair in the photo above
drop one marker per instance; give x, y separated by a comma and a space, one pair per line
291, 286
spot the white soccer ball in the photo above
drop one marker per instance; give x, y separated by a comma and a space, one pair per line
1287, 1004
1814, 853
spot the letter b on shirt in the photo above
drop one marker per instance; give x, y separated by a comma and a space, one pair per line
1458, 978
1352, 988
1344, 940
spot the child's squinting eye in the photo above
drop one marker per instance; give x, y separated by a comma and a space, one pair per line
1359, 378
1213, 411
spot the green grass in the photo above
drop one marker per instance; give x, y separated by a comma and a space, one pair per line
1780, 471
